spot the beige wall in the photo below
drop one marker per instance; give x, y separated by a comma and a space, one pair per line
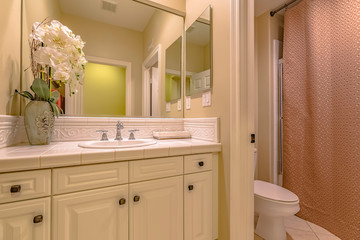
173, 56
267, 29
164, 28
108, 41
10, 27
220, 96
195, 58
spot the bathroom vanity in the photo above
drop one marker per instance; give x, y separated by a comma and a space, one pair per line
64, 192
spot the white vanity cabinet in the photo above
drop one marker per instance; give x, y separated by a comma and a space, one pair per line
26, 220
91, 215
198, 202
198, 206
30, 218
156, 209
149, 199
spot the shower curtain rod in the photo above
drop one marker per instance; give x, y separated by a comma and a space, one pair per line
273, 12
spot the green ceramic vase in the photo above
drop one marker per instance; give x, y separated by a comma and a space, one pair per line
39, 122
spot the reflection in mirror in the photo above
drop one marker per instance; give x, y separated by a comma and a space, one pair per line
198, 55
121, 36
173, 71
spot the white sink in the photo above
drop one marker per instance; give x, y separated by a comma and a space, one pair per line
117, 144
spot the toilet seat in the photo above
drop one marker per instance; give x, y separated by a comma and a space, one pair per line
273, 192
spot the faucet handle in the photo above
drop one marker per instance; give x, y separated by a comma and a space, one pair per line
104, 135
132, 136
120, 125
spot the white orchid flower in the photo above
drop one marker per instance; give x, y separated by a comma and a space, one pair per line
55, 45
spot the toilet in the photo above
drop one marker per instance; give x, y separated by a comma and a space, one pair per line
273, 203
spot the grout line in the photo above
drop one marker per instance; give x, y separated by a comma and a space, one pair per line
297, 229
307, 222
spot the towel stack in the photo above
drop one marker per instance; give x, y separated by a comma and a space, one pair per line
171, 134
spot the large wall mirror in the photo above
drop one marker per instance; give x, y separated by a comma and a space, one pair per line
127, 44
199, 55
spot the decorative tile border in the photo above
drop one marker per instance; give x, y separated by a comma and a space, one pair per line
203, 128
81, 128
9, 126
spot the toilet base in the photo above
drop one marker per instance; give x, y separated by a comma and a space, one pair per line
271, 227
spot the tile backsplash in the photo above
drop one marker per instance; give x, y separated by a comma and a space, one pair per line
84, 128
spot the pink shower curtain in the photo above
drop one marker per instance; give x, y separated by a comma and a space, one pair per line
322, 112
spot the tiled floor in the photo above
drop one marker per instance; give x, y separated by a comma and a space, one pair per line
299, 229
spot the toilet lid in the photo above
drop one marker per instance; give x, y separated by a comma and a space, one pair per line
273, 192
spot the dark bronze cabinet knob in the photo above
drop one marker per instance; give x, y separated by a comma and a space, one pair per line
136, 198
122, 201
201, 163
15, 188
191, 187
38, 219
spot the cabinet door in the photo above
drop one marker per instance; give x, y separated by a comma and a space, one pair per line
92, 215
156, 209
27, 220
198, 206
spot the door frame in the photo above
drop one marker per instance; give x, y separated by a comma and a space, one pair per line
242, 119
151, 59
74, 105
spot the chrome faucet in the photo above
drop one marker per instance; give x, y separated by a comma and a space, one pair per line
119, 126
132, 136
103, 135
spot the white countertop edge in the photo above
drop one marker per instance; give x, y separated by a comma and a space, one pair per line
49, 153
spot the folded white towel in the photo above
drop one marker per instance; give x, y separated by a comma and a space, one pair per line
171, 134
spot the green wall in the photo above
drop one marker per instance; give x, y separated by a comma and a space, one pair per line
172, 87
104, 90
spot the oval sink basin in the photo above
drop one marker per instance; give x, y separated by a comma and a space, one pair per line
117, 144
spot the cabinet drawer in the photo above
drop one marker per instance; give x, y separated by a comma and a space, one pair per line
155, 168
24, 185
73, 179
198, 163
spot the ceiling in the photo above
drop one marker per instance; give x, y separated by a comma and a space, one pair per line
132, 15
128, 14
261, 6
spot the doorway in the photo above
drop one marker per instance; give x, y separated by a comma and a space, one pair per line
151, 84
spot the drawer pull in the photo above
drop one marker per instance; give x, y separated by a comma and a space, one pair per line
201, 163
15, 188
122, 201
136, 198
38, 219
191, 187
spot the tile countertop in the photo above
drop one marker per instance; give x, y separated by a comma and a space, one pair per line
60, 154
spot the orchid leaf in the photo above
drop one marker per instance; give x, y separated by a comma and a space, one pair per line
41, 89
54, 108
25, 94
54, 96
